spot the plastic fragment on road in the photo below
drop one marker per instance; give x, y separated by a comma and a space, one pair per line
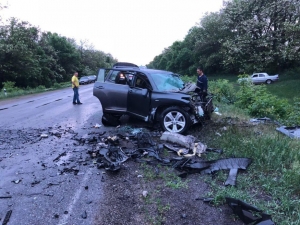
97, 125
145, 194
7, 217
44, 135
17, 181
84, 215
249, 214
292, 132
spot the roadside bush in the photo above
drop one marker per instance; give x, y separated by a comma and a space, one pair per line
268, 105
40, 87
56, 85
9, 86
260, 103
246, 95
293, 117
223, 91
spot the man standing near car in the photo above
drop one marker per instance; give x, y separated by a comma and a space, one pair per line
75, 86
202, 84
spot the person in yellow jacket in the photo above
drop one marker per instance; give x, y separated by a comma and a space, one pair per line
75, 86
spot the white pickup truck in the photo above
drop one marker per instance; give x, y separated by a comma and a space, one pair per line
260, 78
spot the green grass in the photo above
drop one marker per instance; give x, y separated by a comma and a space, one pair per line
271, 182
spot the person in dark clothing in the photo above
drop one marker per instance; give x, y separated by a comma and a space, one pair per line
202, 84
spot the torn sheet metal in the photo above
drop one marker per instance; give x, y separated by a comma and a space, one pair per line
189, 87
292, 132
249, 214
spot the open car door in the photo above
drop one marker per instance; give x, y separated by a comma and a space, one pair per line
139, 97
110, 91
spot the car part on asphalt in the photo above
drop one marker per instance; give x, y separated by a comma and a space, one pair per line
7, 217
249, 214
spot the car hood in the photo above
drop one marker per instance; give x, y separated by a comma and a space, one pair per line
189, 87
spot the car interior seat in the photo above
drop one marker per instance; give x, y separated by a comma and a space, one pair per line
120, 78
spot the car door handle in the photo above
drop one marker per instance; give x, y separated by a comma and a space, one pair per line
100, 87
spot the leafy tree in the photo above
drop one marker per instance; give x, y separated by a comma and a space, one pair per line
67, 53
18, 54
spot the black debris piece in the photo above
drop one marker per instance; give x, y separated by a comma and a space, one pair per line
249, 214
60, 155
8, 196
7, 217
84, 215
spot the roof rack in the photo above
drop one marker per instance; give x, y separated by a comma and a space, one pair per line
124, 64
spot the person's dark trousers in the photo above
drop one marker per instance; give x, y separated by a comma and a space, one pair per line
76, 96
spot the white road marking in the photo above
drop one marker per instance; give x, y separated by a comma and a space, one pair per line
65, 217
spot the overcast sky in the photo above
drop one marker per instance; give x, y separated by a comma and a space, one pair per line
131, 30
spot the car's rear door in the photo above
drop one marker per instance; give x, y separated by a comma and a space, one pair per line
255, 79
139, 97
113, 97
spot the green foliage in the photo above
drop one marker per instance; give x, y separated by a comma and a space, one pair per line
260, 103
223, 91
9, 86
31, 58
293, 117
245, 36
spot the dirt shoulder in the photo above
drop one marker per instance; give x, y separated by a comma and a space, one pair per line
163, 202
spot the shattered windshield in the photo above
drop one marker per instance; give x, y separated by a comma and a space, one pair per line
167, 81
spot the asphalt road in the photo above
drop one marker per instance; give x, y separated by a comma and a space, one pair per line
46, 109
51, 179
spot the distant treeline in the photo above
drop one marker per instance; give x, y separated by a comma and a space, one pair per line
245, 36
31, 58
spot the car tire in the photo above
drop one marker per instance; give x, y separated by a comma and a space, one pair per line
174, 119
110, 120
268, 81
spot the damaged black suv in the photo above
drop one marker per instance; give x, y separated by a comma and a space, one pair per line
154, 96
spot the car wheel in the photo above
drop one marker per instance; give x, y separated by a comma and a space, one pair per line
268, 81
110, 120
175, 119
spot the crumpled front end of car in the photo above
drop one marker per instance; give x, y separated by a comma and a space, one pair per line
202, 109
